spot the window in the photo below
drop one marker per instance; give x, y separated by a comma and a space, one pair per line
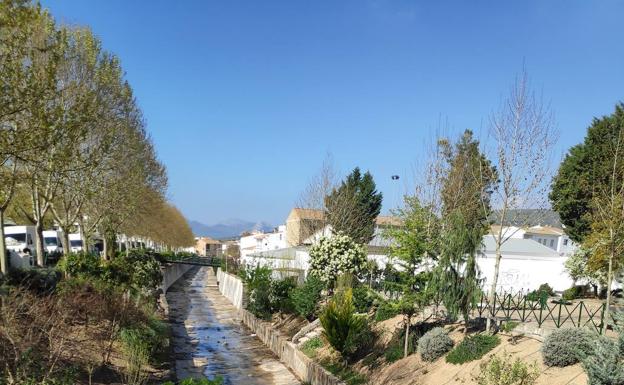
76, 243
552, 243
565, 242
15, 239
50, 241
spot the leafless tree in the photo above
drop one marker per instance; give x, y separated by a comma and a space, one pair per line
523, 135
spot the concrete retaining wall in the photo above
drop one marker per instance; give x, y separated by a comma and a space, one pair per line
231, 287
171, 273
303, 366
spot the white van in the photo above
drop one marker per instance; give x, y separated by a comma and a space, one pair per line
16, 240
52, 240
75, 242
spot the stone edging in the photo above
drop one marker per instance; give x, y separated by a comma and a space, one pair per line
303, 366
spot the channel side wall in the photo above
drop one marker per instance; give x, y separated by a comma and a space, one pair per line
303, 366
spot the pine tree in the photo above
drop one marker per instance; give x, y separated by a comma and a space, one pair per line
353, 207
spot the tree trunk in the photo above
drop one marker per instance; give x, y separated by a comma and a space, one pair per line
39, 249
407, 330
494, 283
4, 266
66, 243
105, 247
609, 282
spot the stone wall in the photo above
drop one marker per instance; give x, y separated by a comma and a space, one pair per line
231, 287
303, 366
171, 273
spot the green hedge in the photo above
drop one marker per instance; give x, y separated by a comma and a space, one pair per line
472, 348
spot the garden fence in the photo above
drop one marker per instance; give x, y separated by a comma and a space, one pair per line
518, 307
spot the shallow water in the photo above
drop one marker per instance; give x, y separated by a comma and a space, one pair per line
209, 339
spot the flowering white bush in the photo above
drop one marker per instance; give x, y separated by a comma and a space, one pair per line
332, 256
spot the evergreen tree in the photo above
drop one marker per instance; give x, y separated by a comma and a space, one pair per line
584, 169
353, 207
466, 188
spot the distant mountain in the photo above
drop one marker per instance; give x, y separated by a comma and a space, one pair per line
227, 229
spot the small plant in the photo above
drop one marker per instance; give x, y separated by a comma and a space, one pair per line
347, 332
606, 365
472, 348
504, 370
394, 353
509, 326
310, 347
306, 297
434, 344
572, 293
565, 347
364, 299
137, 354
386, 310
279, 295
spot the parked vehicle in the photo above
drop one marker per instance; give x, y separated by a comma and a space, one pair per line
20, 243
53, 241
75, 243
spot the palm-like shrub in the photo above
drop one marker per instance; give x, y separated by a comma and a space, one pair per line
434, 344
346, 331
565, 347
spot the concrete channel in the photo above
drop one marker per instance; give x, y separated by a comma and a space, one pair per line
209, 340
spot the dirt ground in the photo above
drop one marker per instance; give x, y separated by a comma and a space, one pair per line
412, 370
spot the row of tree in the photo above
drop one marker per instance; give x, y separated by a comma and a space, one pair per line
467, 187
73, 143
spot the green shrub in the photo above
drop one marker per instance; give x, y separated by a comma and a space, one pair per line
364, 299
310, 347
605, 366
572, 293
472, 348
434, 344
508, 326
347, 332
565, 347
279, 295
504, 370
258, 281
306, 297
136, 351
394, 353
41, 281
80, 265
386, 310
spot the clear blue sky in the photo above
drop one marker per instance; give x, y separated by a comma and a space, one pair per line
244, 98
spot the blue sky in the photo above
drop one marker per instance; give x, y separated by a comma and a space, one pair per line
243, 99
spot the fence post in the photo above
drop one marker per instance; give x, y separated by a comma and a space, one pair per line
540, 321
523, 309
602, 314
559, 316
580, 313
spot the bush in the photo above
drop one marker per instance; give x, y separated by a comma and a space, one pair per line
434, 344
394, 353
347, 332
333, 256
40, 281
606, 365
80, 265
503, 370
279, 295
258, 281
472, 348
572, 293
386, 310
508, 326
565, 347
306, 297
364, 299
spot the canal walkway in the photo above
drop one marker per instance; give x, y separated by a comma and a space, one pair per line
209, 339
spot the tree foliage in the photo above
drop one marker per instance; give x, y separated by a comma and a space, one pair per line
352, 207
334, 256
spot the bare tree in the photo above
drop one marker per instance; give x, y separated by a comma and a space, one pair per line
523, 134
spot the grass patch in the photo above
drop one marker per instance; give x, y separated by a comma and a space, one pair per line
472, 348
394, 353
345, 373
310, 347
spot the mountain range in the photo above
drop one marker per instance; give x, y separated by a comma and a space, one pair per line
230, 228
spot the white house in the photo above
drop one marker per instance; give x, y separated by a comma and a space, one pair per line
257, 242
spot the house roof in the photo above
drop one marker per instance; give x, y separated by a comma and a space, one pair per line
544, 230
208, 241
382, 220
518, 246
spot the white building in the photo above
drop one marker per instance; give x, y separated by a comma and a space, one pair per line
258, 242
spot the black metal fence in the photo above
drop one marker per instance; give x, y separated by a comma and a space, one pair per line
521, 308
